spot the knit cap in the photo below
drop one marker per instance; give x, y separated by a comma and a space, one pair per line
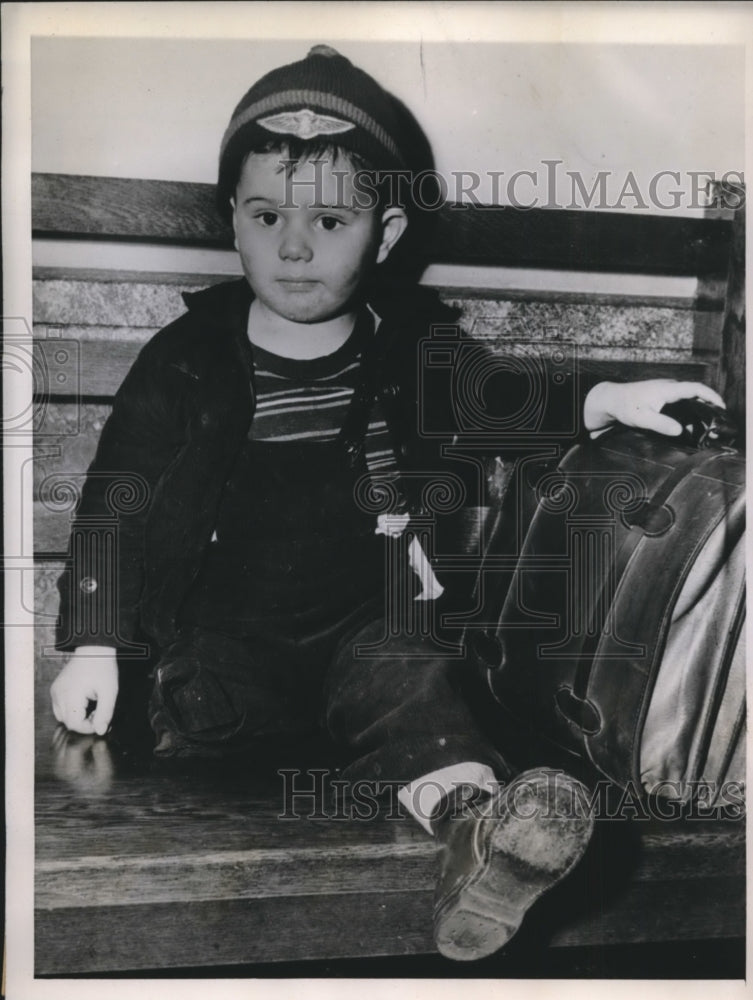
323, 98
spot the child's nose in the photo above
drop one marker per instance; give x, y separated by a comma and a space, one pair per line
295, 246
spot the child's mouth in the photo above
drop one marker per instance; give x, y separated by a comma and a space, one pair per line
297, 284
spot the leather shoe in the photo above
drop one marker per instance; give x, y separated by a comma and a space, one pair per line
498, 857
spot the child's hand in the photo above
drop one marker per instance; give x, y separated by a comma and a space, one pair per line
638, 404
90, 676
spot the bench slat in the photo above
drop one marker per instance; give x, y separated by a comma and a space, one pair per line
342, 861
353, 925
173, 212
133, 305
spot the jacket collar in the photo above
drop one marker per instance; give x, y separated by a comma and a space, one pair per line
228, 299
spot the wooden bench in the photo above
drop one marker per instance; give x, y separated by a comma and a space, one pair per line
143, 865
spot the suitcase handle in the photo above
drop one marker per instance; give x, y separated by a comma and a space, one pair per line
487, 649
580, 711
651, 518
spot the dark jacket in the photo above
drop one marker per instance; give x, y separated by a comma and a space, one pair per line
149, 504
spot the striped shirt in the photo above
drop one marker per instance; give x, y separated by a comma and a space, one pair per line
307, 400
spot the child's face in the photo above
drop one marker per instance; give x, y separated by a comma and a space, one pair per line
306, 249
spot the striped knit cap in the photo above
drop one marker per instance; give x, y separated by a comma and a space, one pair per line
323, 98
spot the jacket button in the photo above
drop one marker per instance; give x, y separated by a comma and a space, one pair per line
88, 585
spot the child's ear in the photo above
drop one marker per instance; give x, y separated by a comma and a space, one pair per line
394, 224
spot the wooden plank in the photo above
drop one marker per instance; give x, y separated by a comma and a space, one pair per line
672, 910
352, 864
261, 873
712, 299
567, 240
134, 305
81, 207
492, 236
203, 816
285, 904
131, 307
231, 932
356, 924
192, 280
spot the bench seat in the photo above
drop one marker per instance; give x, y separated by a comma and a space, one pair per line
146, 864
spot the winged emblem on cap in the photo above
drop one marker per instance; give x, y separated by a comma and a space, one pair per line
305, 124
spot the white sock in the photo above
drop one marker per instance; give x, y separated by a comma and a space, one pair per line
422, 796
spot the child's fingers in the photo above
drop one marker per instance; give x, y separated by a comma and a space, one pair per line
691, 390
59, 737
103, 713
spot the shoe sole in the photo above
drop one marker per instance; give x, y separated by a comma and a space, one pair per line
524, 852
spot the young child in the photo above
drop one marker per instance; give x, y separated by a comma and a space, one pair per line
250, 426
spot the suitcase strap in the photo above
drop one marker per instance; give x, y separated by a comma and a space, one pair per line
651, 518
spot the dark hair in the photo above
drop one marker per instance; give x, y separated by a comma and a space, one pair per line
293, 151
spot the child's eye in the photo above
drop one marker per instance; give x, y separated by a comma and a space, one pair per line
329, 223
267, 219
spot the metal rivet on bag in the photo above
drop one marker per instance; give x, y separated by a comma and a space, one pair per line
88, 585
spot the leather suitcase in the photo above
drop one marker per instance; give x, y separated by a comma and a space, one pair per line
621, 629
